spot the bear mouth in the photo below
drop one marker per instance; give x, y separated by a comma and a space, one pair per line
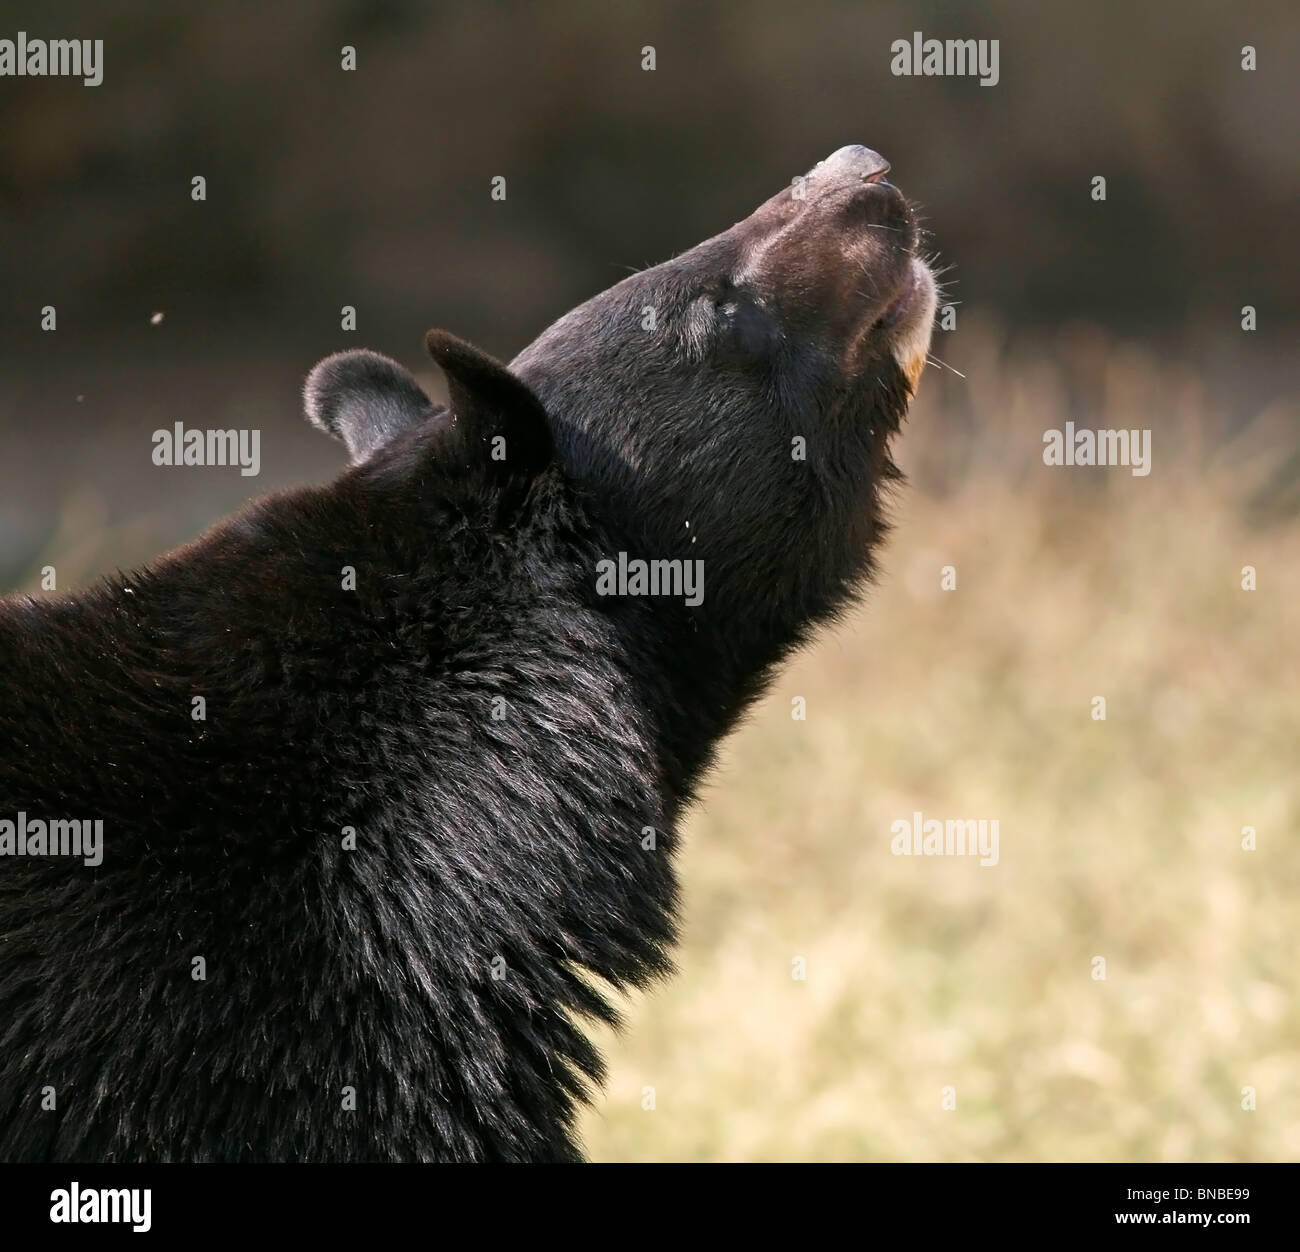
898, 307
905, 323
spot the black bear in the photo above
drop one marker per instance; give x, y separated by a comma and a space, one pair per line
319, 835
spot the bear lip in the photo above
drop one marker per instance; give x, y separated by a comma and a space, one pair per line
911, 321
898, 306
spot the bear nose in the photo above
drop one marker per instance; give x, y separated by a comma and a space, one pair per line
854, 163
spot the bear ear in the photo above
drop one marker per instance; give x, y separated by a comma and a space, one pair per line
364, 399
499, 426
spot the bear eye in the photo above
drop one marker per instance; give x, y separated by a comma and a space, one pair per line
744, 326
722, 292
725, 321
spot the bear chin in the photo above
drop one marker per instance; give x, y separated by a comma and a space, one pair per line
913, 322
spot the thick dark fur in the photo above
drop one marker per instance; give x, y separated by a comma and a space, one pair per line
512, 749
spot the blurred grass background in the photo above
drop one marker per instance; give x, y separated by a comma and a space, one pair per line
1119, 839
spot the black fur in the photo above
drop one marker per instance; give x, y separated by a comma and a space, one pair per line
512, 749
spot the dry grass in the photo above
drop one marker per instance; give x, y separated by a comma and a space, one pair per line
1119, 839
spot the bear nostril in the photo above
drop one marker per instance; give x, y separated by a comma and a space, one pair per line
854, 162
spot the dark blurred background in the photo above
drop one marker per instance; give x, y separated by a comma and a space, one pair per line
371, 188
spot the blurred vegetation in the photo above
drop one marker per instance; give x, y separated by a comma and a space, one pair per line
1119, 839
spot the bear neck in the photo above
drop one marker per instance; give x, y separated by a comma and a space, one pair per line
698, 669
